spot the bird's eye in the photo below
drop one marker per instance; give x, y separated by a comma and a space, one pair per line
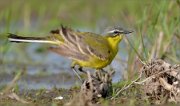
116, 32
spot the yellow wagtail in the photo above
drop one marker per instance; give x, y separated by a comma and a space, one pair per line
86, 49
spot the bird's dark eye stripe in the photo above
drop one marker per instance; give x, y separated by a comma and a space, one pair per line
116, 32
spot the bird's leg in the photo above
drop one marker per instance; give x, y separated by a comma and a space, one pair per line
85, 72
81, 70
103, 70
75, 71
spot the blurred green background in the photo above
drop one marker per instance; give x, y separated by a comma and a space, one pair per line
156, 25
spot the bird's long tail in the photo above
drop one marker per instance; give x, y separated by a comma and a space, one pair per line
19, 39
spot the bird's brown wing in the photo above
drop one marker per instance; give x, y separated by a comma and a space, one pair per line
81, 45
65, 51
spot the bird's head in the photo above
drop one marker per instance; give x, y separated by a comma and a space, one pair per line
115, 34
117, 31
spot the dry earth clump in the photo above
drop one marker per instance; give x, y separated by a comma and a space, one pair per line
162, 81
98, 85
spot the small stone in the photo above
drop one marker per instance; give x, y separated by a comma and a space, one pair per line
58, 98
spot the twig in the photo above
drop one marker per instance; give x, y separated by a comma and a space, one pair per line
126, 87
150, 77
165, 84
13, 82
16, 97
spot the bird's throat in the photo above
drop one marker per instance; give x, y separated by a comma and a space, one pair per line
114, 41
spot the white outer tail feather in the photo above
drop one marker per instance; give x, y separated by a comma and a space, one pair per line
29, 41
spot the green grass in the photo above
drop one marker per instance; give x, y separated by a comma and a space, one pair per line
156, 26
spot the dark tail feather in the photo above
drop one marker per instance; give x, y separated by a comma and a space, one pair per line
16, 38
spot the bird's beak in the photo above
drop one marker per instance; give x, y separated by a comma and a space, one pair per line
127, 32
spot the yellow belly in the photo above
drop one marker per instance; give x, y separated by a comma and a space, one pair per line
95, 62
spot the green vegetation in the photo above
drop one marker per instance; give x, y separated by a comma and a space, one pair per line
156, 26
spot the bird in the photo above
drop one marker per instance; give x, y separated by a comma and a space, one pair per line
85, 49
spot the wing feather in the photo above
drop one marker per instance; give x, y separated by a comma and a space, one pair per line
94, 45
64, 51
83, 44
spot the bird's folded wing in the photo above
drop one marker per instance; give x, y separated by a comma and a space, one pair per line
96, 45
87, 43
70, 53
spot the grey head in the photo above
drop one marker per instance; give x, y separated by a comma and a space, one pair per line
117, 31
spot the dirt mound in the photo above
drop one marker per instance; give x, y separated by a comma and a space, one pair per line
162, 81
